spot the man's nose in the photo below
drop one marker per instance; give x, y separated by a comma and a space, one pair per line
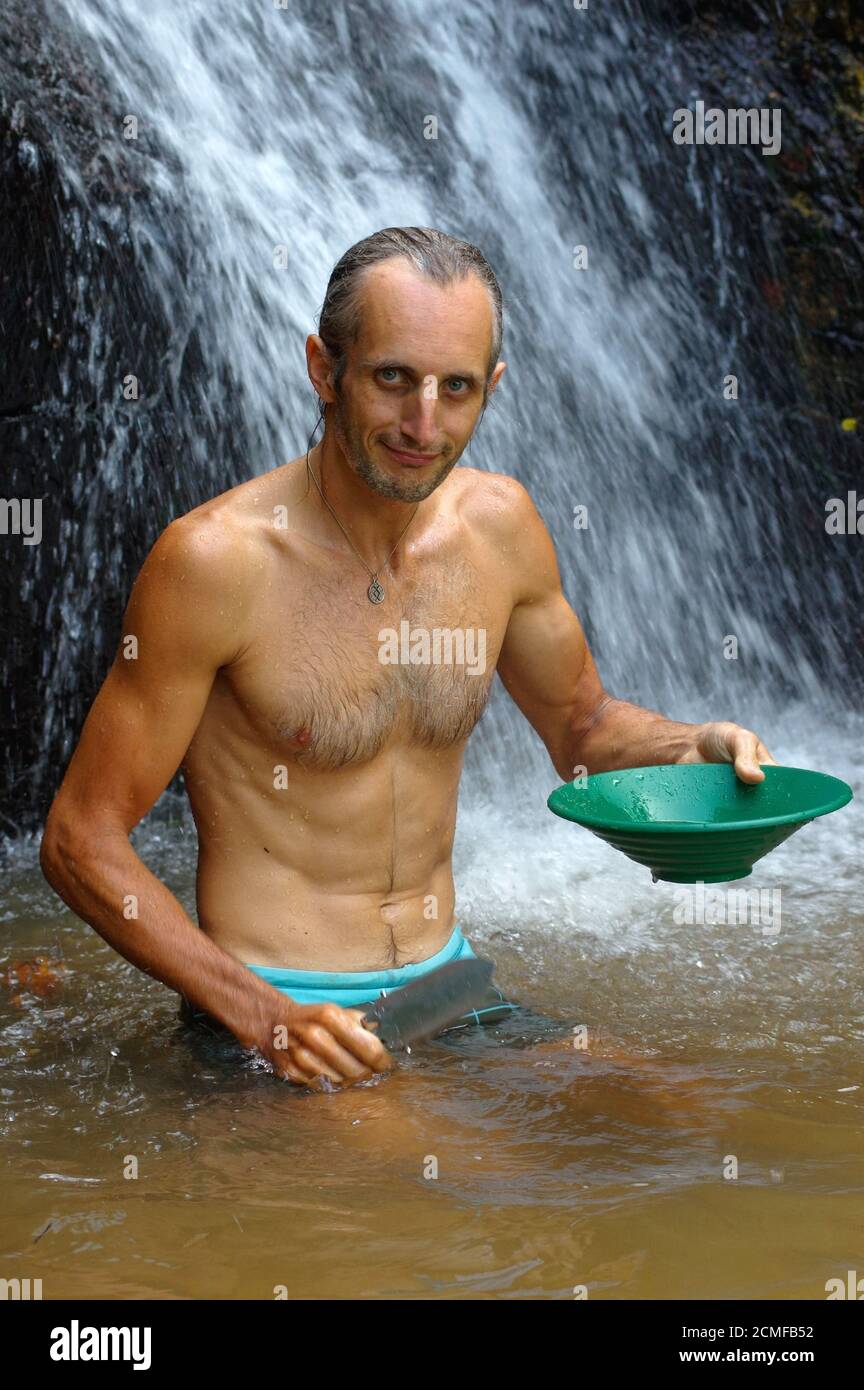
420, 420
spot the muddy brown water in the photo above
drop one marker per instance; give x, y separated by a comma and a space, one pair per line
505, 1163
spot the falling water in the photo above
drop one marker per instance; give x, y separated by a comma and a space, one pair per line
268, 141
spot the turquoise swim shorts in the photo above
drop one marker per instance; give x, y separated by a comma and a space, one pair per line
356, 988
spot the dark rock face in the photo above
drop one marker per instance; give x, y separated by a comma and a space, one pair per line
809, 249
78, 316
801, 220
79, 312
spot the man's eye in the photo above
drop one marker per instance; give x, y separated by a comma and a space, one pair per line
455, 382
393, 373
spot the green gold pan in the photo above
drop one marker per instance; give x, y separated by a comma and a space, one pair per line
698, 822
418, 1010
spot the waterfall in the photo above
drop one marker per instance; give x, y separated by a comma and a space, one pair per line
198, 169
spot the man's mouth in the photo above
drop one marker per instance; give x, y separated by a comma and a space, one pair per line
412, 460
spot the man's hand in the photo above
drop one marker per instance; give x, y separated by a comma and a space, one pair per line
722, 742
311, 1041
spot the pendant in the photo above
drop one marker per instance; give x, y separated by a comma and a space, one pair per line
375, 592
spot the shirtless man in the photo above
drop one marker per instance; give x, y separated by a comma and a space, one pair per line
323, 775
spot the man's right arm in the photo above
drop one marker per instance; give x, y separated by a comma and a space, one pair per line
184, 621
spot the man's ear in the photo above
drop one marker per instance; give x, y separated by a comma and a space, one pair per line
496, 376
319, 365
500, 369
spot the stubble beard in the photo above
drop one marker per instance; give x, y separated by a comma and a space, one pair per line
373, 476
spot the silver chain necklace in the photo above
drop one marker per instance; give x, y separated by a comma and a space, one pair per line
375, 592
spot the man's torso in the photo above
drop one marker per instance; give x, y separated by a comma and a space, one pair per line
322, 778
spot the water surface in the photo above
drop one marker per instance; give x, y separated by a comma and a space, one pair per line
554, 1168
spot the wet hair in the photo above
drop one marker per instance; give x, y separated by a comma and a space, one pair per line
435, 254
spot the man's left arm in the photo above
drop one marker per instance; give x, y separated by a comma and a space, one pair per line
548, 669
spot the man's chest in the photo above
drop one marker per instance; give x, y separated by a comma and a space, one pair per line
329, 678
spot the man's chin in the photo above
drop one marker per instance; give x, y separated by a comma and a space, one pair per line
403, 489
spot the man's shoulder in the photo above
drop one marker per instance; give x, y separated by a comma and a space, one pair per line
500, 510
225, 536
242, 509
496, 502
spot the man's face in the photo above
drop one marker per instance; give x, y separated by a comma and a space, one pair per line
415, 382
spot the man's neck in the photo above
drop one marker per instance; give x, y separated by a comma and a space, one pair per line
373, 522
